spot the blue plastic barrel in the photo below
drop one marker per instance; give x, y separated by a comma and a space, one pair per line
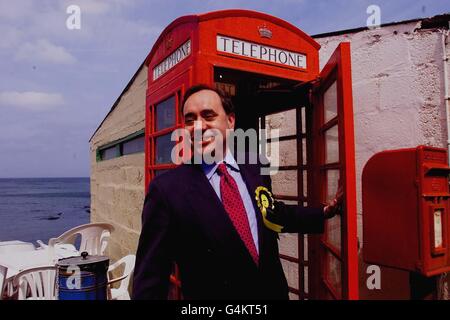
83, 278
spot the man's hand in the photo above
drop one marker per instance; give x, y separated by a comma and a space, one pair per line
335, 207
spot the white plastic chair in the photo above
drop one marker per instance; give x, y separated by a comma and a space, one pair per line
94, 238
15, 246
121, 293
3, 272
36, 284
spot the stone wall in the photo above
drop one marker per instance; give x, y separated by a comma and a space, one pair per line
117, 185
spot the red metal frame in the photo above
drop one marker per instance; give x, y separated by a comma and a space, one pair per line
154, 134
337, 69
198, 67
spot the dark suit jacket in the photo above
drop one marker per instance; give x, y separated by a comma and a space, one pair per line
184, 221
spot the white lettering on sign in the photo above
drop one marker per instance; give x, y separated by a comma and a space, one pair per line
260, 52
437, 228
171, 61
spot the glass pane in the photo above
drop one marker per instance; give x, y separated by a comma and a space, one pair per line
333, 267
288, 244
260, 129
109, 153
291, 272
165, 114
330, 102
332, 145
305, 183
306, 279
163, 149
332, 184
284, 122
304, 151
303, 119
283, 153
285, 183
333, 235
305, 247
133, 146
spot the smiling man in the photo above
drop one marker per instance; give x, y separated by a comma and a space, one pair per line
210, 117
219, 221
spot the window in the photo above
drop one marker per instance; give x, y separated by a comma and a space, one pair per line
165, 120
134, 143
133, 146
109, 153
163, 148
165, 114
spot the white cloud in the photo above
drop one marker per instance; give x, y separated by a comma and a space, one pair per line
31, 100
45, 51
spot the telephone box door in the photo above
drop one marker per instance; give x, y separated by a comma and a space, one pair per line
334, 254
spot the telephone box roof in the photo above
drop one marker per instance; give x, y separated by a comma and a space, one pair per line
197, 18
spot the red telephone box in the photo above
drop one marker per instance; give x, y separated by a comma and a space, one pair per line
268, 66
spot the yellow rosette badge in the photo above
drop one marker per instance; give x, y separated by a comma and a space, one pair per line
266, 205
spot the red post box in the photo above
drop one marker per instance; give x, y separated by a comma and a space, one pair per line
405, 196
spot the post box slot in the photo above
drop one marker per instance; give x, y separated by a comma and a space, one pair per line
436, 169
436, 194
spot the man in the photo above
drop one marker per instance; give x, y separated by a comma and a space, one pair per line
217, 221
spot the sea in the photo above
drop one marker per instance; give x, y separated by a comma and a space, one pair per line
34, 209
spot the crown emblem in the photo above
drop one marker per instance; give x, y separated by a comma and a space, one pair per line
265, 32
169, 42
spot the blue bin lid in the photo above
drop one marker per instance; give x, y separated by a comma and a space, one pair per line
83, 259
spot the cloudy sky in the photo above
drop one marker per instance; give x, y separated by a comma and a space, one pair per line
57, 84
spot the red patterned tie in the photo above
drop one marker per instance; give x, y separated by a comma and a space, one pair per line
233, 204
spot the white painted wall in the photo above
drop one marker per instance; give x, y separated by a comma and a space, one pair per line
398, 90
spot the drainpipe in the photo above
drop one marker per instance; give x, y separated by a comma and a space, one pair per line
442, 282
446, 94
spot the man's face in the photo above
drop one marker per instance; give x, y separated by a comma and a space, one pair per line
203, 111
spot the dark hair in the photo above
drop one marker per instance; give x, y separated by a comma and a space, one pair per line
224, 98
